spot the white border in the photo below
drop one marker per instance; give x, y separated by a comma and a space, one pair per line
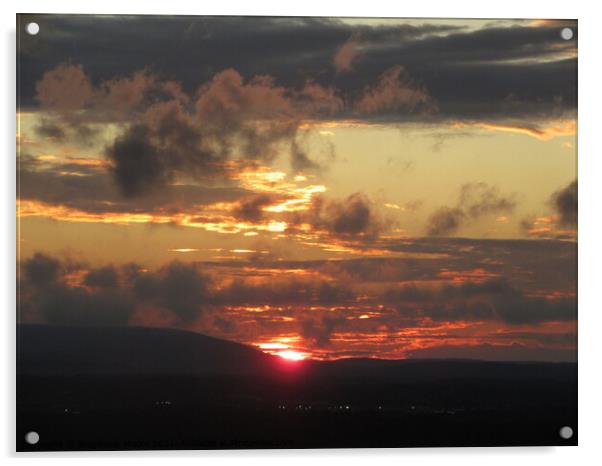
590, 161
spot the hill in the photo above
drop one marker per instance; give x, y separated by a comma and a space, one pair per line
58, 350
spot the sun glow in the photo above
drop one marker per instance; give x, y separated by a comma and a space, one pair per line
291, 355
273, 346
278, 348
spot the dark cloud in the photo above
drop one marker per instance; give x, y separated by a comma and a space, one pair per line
91, 189
149, 155
464, 281
42, 269
57, 130
283, 291
45, 295
249, 104
493, 299
250, 209
475, 200
178, 287
435, 258
104, 277
565, 203
479, 199
527, 61
139, 166
318, 332
493, 64
520, 309
224, 325
48, 129
445, 221
232, 119
300, 161
85, 135
352, 217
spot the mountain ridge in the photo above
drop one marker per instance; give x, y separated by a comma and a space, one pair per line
78, 350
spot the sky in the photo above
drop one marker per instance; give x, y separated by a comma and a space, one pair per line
315, 187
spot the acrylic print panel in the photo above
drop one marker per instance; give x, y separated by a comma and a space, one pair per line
254, 232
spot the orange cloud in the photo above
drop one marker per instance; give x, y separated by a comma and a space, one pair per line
543, 132
346, 54
395, 90
219, 224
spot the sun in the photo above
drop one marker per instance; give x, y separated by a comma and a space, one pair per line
291, 355
278, 348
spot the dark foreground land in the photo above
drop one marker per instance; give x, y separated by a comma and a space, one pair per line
113, 389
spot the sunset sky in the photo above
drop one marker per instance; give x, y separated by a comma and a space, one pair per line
315, 187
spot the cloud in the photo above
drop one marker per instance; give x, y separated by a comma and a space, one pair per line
547, 131
492, 299
491, 62
85, 185
562, 224
432, 281
65, 88
41, 269
438, 291
346, 54
48, 129
233, 119
445, 221
68, 94
352, 217
479, 199
177, 287
283, 291
319, 332
104, 277
320, 101
79, 190
257, 113
565, 203
256, 117
475, 200
124, 93
168, 142
395, 91
300, 160
109, 295
45, 294
138, 165
251, 208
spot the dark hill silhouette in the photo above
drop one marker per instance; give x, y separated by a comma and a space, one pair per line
58, 350
62, 350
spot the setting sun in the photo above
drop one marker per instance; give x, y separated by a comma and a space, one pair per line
291, 355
